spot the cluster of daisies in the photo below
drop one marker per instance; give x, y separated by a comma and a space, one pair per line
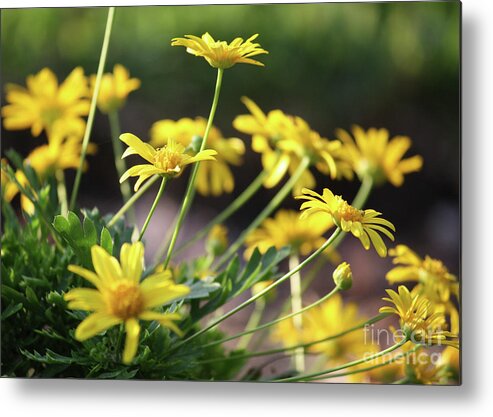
289, 148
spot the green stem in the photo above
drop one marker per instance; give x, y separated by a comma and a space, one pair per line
303, 345
296, 307
153, 207
94, 99
273, 204
253, 322
133, 199
120, 163
344, 366
161, 250
255, 297
276, 321
62, 191
402, 381
368, 368
228, 211
187, 201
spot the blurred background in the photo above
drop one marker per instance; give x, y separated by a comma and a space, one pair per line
393, 65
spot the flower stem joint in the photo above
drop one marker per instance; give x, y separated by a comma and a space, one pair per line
343, 276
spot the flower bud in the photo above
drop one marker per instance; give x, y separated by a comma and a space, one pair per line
343, 277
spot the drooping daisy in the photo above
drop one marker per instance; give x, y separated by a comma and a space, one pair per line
283, 140
115, 88
287, 229
212, 178
169, 161
363, 224
44, 103
418, 320
220, 54
372, 153
433, 280
120, 296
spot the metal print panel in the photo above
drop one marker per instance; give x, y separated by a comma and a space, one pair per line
263, 193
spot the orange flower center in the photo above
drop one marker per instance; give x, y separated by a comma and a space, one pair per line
125, 300
347, 212
169, 160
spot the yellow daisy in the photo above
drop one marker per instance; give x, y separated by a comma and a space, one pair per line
212, 178
120, 297
9, 188
283, 140
418, 320
169, 161
114, 88
330, 318
372, 153
44, 103
287, 229
434, 280
60, 153
363, 224
220, 54
423, 370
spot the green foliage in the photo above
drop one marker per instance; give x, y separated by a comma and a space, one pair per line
38, 330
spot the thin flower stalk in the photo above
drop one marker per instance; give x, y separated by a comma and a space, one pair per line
369, 322
133, 199
153, 207
264, 291
276, 321
266, 212
92, 110
300, 378
187, 200
239, 202
296, 307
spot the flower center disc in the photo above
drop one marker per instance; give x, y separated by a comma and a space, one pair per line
125, 300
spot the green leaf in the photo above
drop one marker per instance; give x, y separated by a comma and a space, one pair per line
106, 240
11, 310
80, 236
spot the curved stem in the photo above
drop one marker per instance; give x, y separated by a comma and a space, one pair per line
62, 191
273, 204
92, 109
368, 368
303, 345
344, 366
228, 211
187, 201
133, 199
276, 321
255, 297
296, 307
120, 163
252, 324
153, 207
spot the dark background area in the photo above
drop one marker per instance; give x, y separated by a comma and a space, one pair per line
393, 65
